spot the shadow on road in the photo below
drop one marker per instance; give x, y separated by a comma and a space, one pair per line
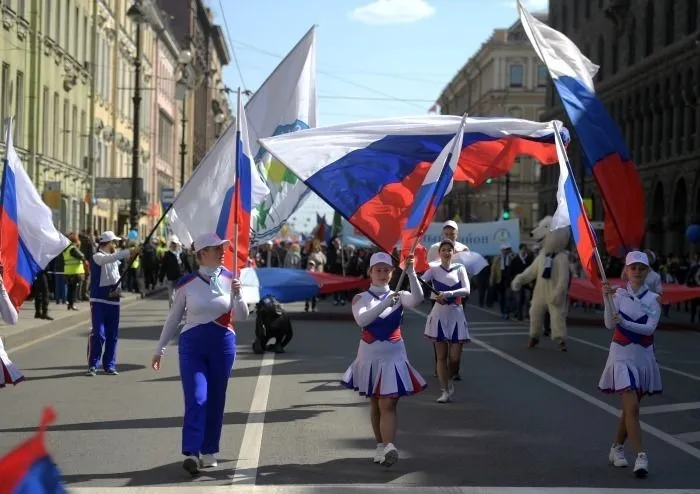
78, 371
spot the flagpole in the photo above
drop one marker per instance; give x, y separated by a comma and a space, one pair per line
460, 129
236, 194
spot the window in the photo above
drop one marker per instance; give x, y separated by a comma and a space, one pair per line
84, 136
76, 36
601, 58
66, 131
587, 9
615, 62
515, 112
56, 127
541, 76
632, 43
57, 34
45, 121
691, 13
75, 136
47, 18
4, 97
20, 8
517, 75
165, 137
649, 28
19, 111
66, 36
85, 39
670, 21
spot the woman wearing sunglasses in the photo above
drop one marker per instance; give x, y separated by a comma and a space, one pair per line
631, 370
9, 373
211, 299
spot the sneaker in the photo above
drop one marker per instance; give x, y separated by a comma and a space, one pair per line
533, 342
444, 397
379, 453
112, 372
191, 464
616, 457
451, 388
391, 455
208, 461
641, 466
92, 371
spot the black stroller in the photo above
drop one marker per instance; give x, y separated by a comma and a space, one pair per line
271, 321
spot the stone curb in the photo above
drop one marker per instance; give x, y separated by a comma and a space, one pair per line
34, 333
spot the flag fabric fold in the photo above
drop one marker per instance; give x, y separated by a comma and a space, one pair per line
225, 177
28, 238
29, 467
433, 189
284, 103
603, 147
371, 172
571, 213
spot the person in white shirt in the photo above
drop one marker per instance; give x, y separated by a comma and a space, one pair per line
381, 371
447, 324
9, 373
211, 299
105, 295
450, 230
631, 369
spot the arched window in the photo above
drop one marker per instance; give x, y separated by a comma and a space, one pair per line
649, 28
670, 15
632, 43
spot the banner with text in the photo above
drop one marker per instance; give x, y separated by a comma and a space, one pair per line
485, 238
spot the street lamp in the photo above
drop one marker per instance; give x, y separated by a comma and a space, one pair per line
183, 83
138, 15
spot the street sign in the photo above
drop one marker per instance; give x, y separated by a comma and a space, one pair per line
116, 188
167, 195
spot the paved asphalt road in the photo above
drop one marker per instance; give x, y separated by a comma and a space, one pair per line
523, 418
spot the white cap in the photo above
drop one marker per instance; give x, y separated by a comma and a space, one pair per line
636, 257
505, 246
108, 236
208, 240
172, 239
450, 224
380, 258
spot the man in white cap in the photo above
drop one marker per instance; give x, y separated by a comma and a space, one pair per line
173, 266
105, 294
449, 231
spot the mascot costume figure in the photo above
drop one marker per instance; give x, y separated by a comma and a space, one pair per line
551, 273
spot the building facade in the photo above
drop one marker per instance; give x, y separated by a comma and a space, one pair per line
193, 27
504, 78
44, 86
649, 79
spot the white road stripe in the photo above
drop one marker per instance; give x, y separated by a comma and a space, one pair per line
370, 488
689, 437
673, 407
658, 433
246, 470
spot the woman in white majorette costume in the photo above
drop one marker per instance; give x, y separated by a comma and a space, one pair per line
447, 324
631, 370
381, 371
9, 373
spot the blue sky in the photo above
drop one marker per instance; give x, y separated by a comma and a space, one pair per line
375, 58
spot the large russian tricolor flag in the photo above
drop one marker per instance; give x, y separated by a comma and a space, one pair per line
370, 172
29, 469
430, 194
28, 238
570, 213
604, 150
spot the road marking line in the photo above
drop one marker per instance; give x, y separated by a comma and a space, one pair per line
673, 407
484, 334
689, 437
64, 330
371, 488
671, 370
658, 433
246, 469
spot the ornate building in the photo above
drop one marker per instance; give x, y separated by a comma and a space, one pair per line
504, 78
649, 79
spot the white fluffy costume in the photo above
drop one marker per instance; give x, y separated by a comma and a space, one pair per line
551, 273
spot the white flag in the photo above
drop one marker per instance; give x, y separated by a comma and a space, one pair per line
286, 102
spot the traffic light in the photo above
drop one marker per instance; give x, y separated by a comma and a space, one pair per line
506, 211
489, 180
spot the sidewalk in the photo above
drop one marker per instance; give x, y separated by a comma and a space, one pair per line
29, 329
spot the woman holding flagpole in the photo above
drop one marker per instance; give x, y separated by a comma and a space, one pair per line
207, 347
381, 371
631, 371
9, 373
447, 324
